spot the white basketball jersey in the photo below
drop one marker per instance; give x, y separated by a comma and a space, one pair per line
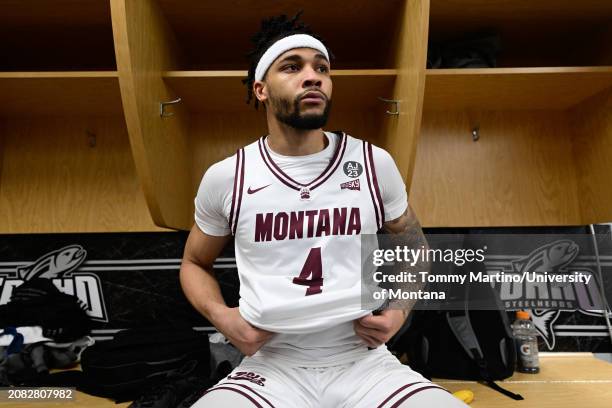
297, 245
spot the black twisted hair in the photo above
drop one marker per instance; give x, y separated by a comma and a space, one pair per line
273, 29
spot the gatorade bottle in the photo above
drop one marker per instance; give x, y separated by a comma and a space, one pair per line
525, 337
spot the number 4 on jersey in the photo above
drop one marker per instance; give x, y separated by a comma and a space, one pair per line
313, 267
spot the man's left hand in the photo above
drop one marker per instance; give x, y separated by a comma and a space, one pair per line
378, 329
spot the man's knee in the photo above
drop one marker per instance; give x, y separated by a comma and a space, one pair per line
220, 397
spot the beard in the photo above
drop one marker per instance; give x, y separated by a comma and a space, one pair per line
288, 112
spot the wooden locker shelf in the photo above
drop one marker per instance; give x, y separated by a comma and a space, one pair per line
66, 173
65, 155
521, 171
513, 88
542, 115
541, 158
206, 91
60, 93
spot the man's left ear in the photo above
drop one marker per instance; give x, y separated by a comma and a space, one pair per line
260, 90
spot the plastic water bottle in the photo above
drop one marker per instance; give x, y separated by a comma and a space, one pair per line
525, 337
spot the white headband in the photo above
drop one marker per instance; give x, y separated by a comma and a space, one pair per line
284, 44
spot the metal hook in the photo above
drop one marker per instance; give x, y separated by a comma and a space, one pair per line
162, 106
476, 133
394, 102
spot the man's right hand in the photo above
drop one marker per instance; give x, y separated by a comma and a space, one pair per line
247, 338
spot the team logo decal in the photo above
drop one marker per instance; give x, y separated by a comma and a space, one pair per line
248, 376
350, 185
305, 194
557, 257
61, 267
352, 169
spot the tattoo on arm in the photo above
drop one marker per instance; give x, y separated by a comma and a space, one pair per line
406, 231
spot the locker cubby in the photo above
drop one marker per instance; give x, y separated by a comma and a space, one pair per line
526, 143
59, 35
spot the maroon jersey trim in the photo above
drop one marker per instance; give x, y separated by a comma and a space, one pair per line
411, 393
399, 390
258, 405
367, 169
375, 180
329, 170
252, 390
236, 172
264, 159
240, 176
337, 158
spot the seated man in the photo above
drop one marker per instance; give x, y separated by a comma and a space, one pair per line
295, 202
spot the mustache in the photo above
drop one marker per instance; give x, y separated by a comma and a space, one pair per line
318, 91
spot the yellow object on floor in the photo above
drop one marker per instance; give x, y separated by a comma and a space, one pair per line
466, 396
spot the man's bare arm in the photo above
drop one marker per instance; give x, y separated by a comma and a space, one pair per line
202, 290
378, 328
407, 222
197, 277
407, 232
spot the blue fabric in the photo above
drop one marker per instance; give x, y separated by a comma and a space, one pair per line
16, 344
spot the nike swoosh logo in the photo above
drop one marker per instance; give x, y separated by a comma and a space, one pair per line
250, 191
